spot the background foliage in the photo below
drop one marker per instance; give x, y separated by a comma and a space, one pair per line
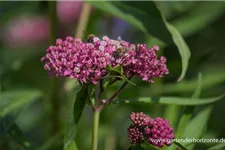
190, 34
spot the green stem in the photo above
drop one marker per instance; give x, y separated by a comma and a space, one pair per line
53, 21
100, 108
54, 88
83, 20
95, 130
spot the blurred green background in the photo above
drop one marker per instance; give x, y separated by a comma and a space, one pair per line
25, 36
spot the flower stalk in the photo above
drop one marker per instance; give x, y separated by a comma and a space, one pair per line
54, 88
83, 20
95, 130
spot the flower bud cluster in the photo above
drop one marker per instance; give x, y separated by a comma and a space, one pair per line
157, 132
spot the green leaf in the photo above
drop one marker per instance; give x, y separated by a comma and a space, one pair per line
188, 110
148, 18
170, 100
198, 124
75, 113
12, 101
217, 146
18, 135
80, 103
119, 70
180, 145
182, 47
72, 146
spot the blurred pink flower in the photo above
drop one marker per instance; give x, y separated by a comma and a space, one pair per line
68, 11
26, 30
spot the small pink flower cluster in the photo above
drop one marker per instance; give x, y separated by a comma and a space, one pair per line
155, 131
26, 30
68, 11
87, 61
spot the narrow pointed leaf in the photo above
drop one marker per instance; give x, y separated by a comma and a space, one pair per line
182, 48
170, 100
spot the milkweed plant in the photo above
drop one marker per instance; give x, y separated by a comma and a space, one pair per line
103, 62
97, 63
102, 68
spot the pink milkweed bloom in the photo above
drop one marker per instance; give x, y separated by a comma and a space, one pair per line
68, 11
157, 132
88, 61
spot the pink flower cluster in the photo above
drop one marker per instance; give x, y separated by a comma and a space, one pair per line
87, 61
156, 131
27, 30
68, 11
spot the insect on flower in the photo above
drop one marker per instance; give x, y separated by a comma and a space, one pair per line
120, 52
90, 38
